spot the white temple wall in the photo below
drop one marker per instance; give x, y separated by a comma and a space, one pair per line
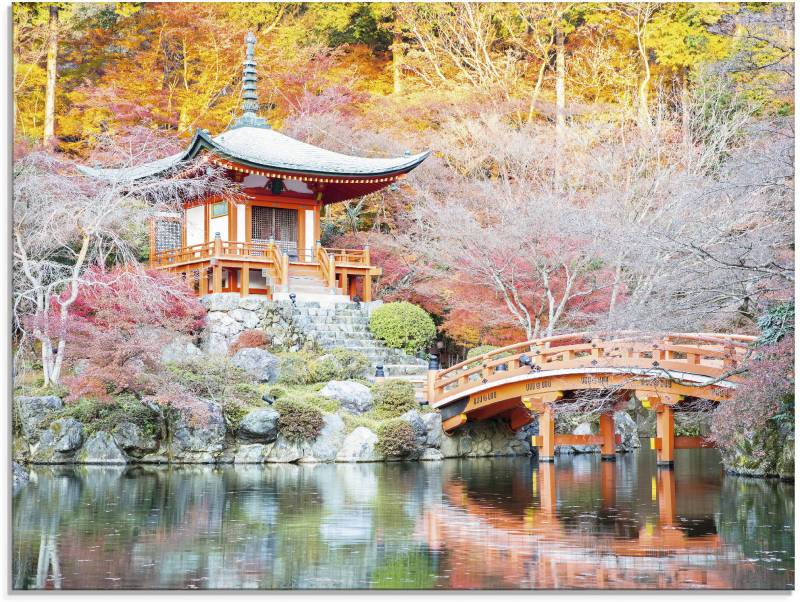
241, 229
195, 222
218, 225
310, 242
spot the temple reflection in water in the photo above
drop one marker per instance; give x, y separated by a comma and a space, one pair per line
482, 523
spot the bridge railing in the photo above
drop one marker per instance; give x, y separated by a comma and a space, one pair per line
707, 354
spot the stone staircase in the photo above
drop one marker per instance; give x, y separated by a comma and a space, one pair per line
306, 282
347, 325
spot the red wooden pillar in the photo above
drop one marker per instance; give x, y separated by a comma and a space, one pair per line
665, 432
608, 447
547, 430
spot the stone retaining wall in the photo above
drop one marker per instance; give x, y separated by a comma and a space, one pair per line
45, 438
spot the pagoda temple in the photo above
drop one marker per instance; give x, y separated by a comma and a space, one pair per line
267, 243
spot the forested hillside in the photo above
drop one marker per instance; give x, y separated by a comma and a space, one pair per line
594, 165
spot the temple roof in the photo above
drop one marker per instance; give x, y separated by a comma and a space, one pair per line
264, 148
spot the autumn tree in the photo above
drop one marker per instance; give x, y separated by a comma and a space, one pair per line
67, 223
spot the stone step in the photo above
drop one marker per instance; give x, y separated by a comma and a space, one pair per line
325, 298
406, 370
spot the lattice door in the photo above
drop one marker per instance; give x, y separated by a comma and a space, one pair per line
279, 224
168, 235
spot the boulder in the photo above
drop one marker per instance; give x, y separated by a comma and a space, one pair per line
256, 304
19, 476
68, 435
258, 363
354, 397
198, 435
625, 426
58, 443
330, 439
414, 419
584, 428
359, 446
487, 438
433, 426
259, 425
35, 414
248, 319
131, 438
254, 453
323, 449
286, 450
216, 344
101, 448
431, 454
220, 301
220, 322
180, 352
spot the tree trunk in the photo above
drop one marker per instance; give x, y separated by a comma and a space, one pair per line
685, 123
397, 62
561, 120
52, 64
536, 90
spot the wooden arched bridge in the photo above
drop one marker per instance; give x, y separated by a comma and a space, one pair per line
667, 372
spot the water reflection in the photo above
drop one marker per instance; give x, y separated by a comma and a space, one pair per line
483, 523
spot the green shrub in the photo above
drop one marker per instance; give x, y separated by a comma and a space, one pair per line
295, 367
396, 439
393, 397
234, 412
480, 350
298, 421
103, 416
402, 325
339, 364
216, 379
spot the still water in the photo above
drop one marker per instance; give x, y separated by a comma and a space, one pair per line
481, 523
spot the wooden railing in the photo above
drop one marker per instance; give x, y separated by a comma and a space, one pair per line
327, 265
706, 354
350, 256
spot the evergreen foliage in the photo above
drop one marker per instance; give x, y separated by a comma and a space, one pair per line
402, 325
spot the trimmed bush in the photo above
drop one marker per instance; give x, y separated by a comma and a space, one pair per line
393, 397
295, 368
480, 350
249, 339
402, 325
298, 421
396, 439
339, 364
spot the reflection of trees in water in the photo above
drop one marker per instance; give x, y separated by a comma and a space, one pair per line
247, 526
757, 515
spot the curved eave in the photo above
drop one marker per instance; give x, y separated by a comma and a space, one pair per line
357, 184
204, 141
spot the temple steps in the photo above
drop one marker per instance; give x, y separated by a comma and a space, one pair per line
346, 325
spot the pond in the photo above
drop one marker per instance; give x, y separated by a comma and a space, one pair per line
500, 523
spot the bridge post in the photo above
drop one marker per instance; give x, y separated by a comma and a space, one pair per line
608, 447
665, 431
547, 430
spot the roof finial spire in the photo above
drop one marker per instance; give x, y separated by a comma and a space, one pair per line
250, 106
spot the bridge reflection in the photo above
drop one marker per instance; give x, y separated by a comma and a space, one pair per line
577, 529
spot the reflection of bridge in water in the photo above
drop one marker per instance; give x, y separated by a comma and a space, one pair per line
666, 372
538, 538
